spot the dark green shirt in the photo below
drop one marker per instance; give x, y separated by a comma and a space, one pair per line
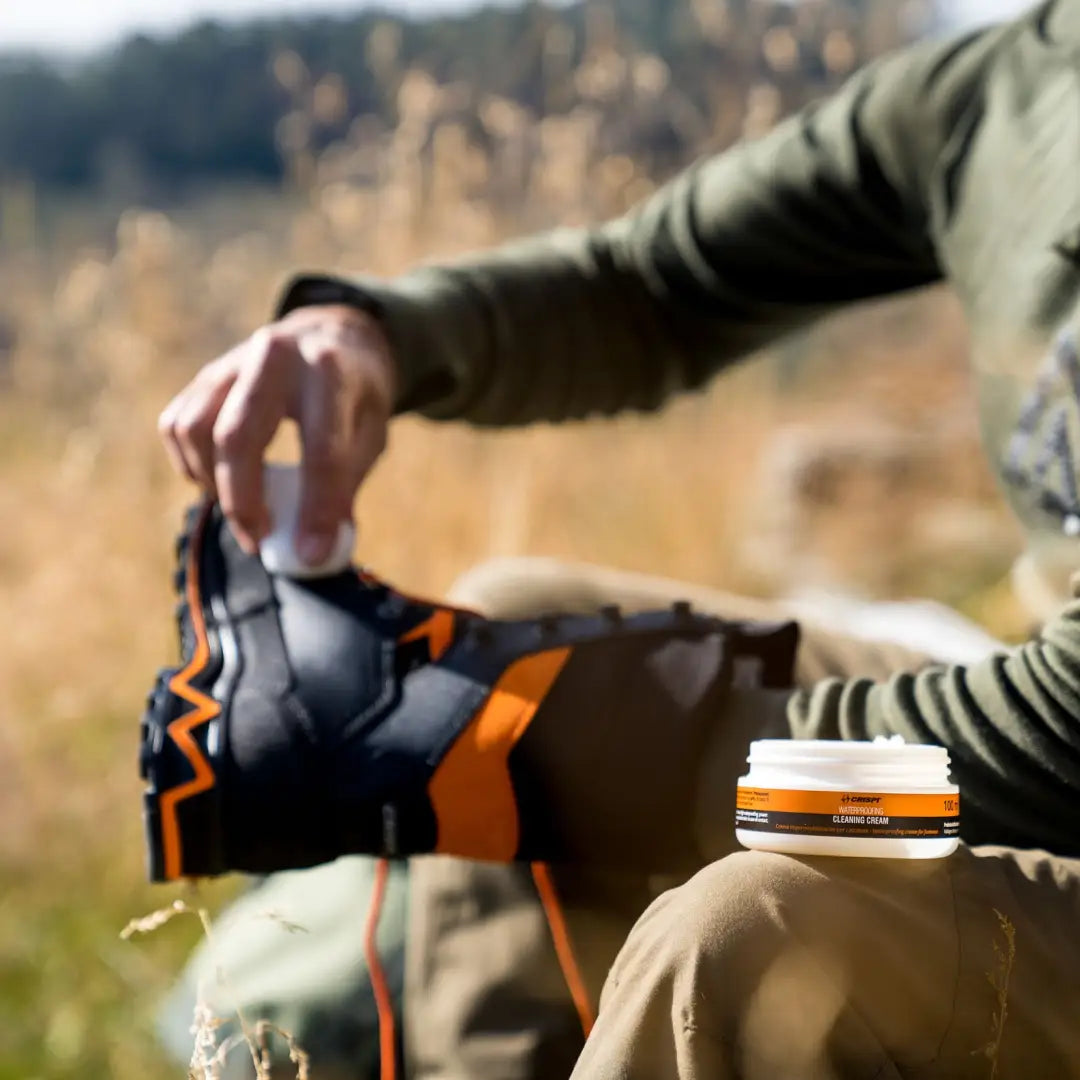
957, 160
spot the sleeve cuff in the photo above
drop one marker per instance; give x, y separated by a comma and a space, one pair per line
424, 324
312, 290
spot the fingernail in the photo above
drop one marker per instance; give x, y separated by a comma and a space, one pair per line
314, 548
248, 543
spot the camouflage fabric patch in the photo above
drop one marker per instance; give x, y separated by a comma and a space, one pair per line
1040, 458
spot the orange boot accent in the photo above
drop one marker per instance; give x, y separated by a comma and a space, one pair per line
204, 708
471, 792
438, 629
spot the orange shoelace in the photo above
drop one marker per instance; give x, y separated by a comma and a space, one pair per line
384, 1005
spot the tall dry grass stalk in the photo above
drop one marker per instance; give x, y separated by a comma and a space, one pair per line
209, 1053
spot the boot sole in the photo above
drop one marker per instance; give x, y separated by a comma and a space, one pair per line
183, 731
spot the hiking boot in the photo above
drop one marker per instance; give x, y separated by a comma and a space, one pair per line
316, 718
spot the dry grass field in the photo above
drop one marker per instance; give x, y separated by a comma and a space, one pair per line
847, 458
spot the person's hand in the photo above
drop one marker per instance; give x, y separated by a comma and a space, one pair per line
329, 369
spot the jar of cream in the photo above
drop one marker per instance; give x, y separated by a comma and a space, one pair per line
884, 799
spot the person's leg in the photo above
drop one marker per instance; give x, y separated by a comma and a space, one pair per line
291, 951
485, 997
766, 966
526, 587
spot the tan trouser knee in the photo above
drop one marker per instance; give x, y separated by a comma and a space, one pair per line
730, 917
709, 972
782, 959
523, 588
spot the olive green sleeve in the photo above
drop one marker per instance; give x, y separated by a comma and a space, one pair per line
1011, 724
829, 208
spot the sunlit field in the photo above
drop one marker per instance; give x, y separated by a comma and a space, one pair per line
846, 460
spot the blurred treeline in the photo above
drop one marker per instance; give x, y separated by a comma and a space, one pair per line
216, 102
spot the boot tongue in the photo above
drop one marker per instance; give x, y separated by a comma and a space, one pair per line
342, 665
326, 656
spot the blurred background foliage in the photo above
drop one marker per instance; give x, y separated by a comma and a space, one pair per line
209, 104
152, 201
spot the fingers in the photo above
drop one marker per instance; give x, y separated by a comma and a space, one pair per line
186, 424
328, 368
370, 442
167, 433
249, 415
344, 410
195, 427
326, 436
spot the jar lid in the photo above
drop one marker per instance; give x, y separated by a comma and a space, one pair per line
820, 751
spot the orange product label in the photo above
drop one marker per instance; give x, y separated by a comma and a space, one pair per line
869, 803
867, 814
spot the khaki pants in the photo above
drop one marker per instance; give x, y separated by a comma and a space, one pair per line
760, 965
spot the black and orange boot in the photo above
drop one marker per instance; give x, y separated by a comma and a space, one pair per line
312, 719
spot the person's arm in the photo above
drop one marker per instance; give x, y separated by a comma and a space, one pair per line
1011, 724
831, 207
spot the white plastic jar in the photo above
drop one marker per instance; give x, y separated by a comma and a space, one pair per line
883, 799
281, 484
